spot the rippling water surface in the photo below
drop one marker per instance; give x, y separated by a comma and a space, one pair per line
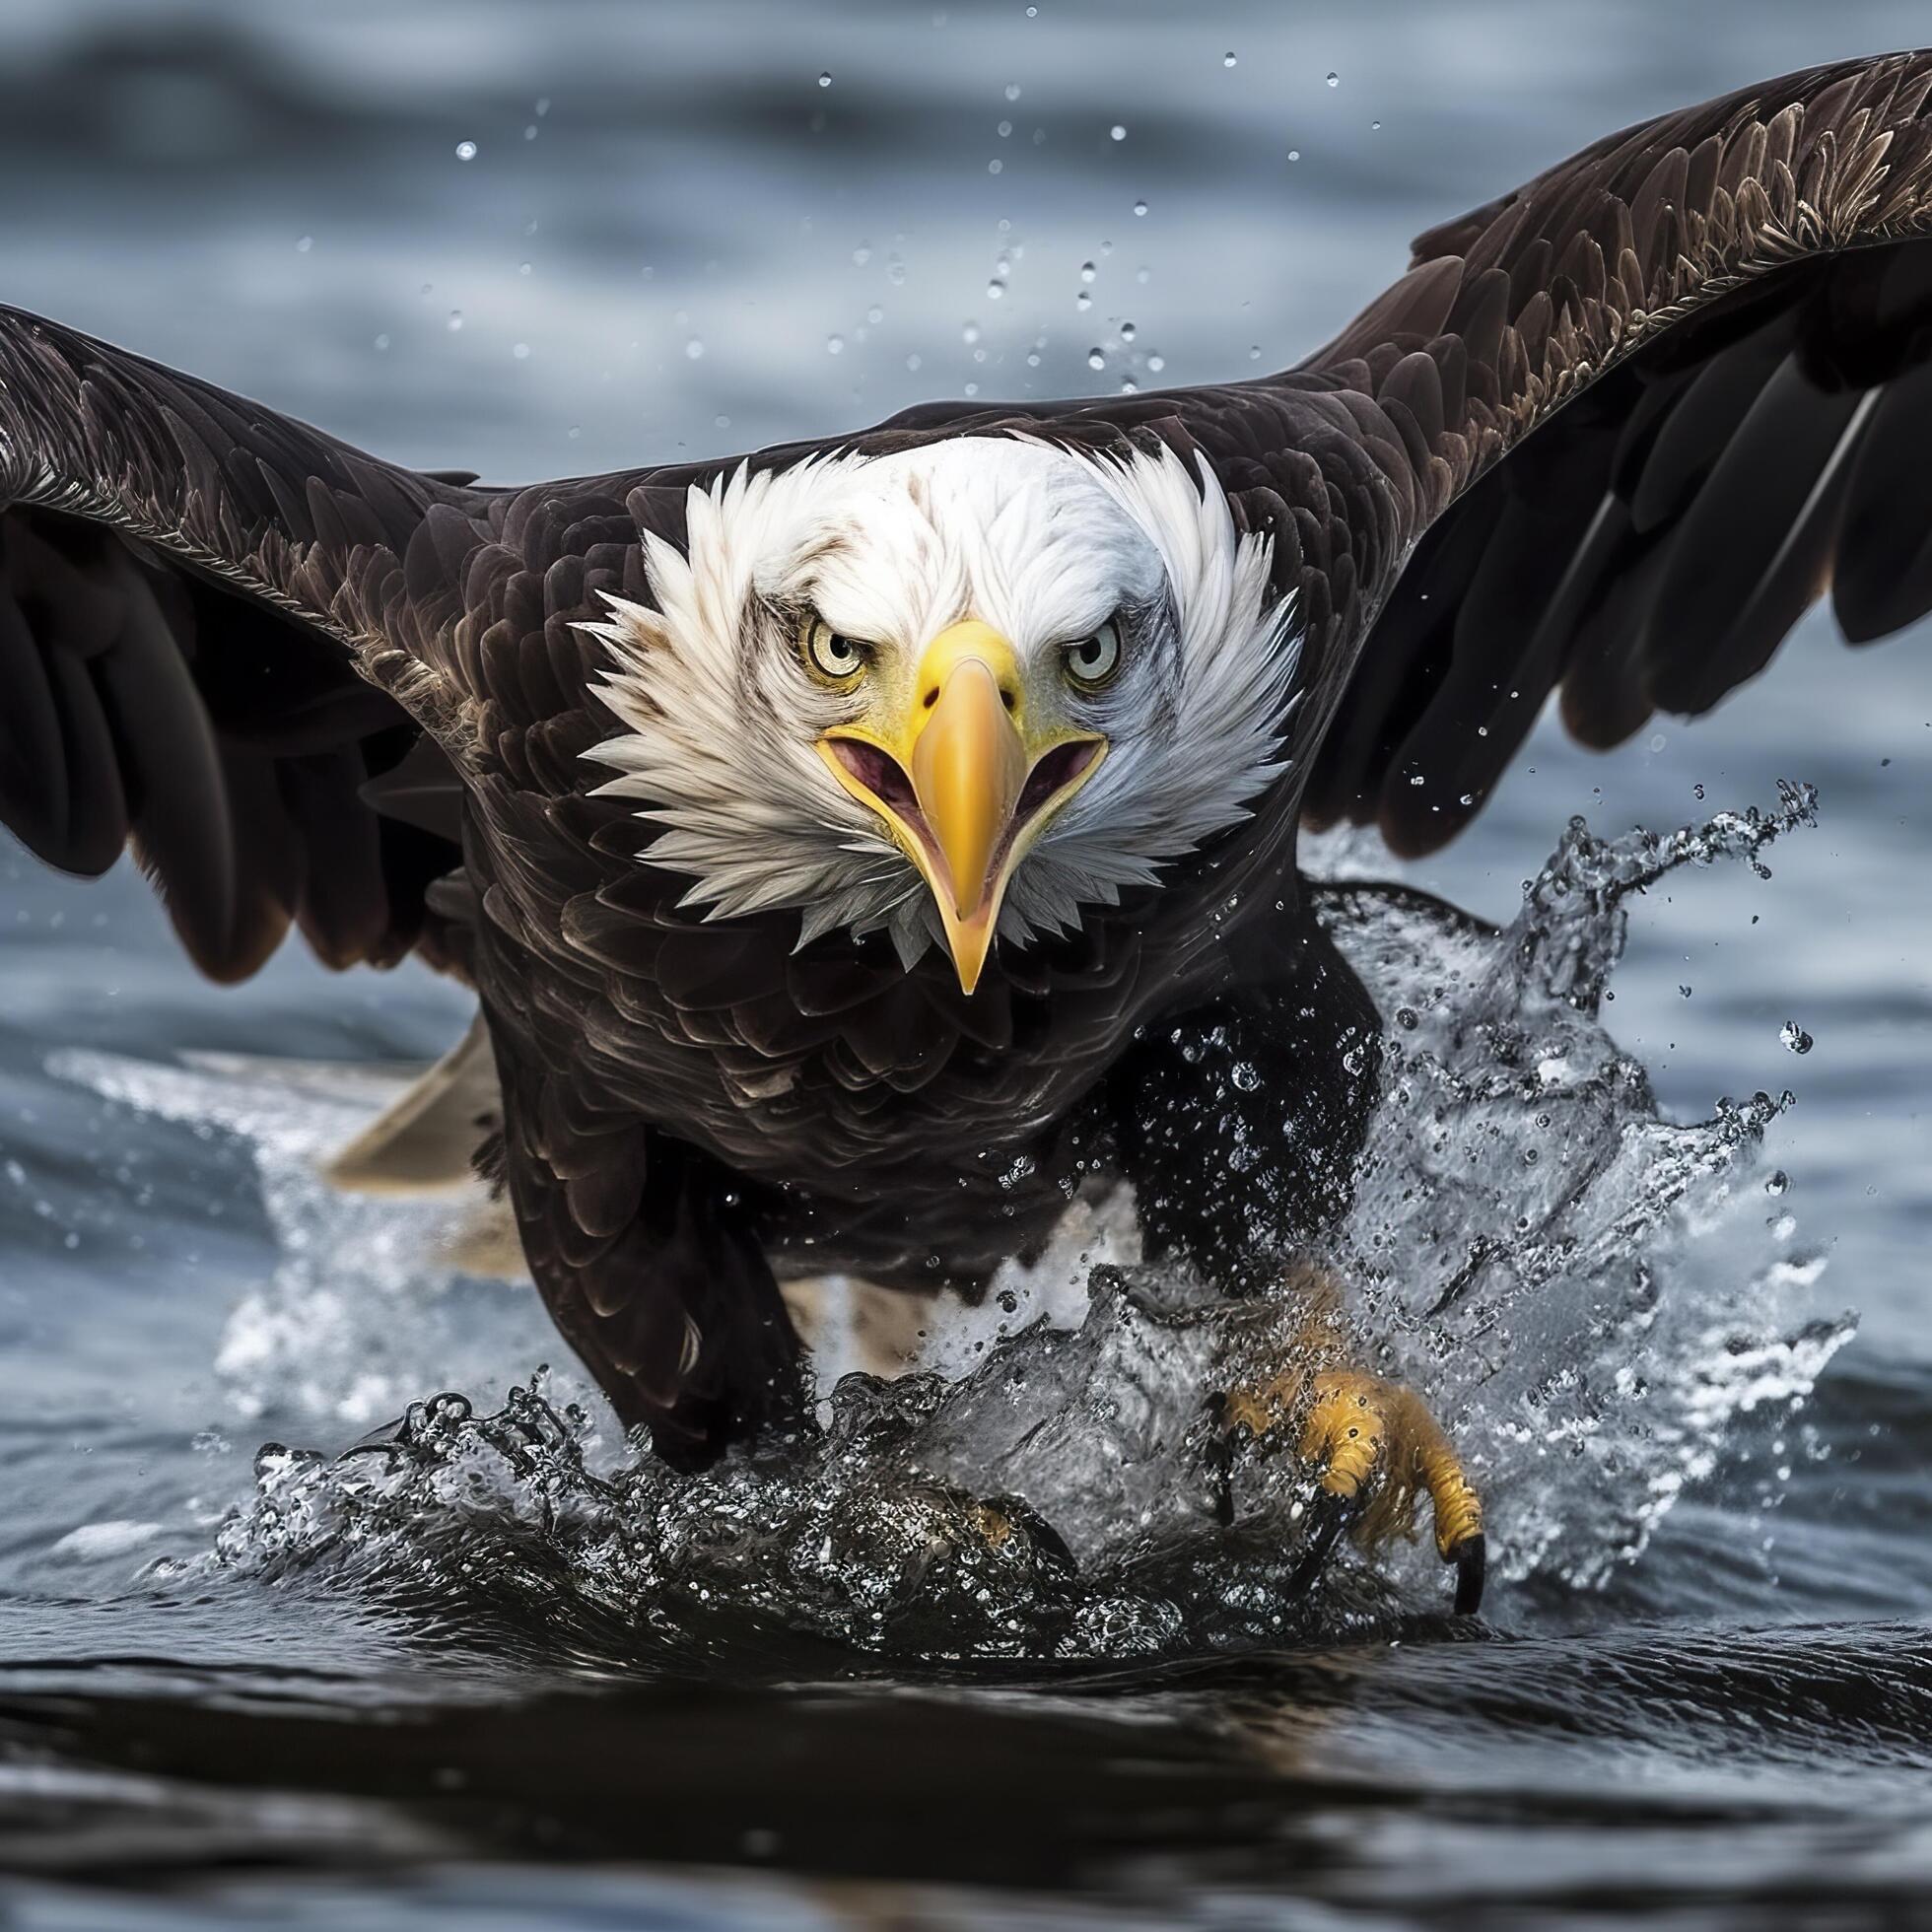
322, 1602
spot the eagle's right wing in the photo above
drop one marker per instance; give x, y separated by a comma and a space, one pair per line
222, 634
1640, 415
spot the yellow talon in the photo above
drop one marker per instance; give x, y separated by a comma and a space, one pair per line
1378, 1446
1362, 1426
1344, 1429
1458, 1508
995, 1526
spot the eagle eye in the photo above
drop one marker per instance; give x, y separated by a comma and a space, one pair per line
831, 658
1091, 661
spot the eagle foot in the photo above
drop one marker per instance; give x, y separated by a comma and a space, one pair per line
1380, 1451
1002, 1518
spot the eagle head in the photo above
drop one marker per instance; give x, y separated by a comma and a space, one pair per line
960, 691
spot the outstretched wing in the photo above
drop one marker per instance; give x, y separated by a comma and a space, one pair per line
1648, 408
218, 643
260, 656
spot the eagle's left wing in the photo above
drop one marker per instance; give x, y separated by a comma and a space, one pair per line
1611, 435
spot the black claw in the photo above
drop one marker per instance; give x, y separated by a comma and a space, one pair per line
1327, 1516
1046, 1540
1220, 1479
1471, 1557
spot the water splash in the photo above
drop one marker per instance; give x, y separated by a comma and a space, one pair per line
369, 1297
1566, 1274
1533, 1242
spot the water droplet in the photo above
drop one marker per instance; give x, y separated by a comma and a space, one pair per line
835, 345
1140, 207
912, 362
455, 320
1156, 364
1084, 302
1407, 1018
875, 314
1334, 78
1795, 1037
1295, 153
994, 167
520, 350
1003, 129
1777, 1183
304, 243
825, 80
382, 341
1087, 271
694, 348
523, 269
1227, 59
995, 290
1129, 386
970, 333
465, 150
1375, 127
1013, 90
1097, 358
1254, 352
1118, 132
1127, 331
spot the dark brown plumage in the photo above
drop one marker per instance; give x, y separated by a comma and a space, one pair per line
1607, 436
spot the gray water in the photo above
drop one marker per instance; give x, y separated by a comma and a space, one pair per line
458, 1683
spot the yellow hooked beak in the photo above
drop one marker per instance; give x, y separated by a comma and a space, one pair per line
966, 773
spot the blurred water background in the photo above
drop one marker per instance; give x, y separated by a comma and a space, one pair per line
536, 239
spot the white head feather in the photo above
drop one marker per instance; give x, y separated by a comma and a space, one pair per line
1041, 544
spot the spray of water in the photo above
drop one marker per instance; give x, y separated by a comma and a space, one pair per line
1555, 1266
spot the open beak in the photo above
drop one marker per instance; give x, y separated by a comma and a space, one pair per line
966, 780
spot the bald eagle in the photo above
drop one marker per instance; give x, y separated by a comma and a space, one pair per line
861, 847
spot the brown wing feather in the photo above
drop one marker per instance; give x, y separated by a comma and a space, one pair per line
1671, 391
209, 652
